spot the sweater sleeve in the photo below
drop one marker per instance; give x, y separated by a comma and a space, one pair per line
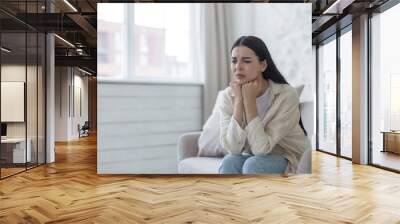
232, 135
263, 139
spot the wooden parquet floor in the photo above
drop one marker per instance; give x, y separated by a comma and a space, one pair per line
70, 191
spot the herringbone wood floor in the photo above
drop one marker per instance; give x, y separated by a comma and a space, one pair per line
70, 191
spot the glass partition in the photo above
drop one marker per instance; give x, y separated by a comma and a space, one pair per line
327, 96
41, 109
13, 92
22, 92
31, 100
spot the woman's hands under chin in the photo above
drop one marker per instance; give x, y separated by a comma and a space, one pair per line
251, 90
238, 101
236, 87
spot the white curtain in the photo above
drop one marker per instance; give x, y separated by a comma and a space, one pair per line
217, 44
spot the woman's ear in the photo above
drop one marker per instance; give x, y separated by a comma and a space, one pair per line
264, 65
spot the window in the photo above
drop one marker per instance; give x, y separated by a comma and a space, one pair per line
144, 50
102, 52
385, 87
327, 97
394, 101
111, 47
151, 41
346, 75
333, 137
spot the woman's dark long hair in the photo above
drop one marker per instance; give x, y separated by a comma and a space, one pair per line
262, 52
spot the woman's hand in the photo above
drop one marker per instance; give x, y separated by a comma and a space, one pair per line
238, 101
236, 89
252, 90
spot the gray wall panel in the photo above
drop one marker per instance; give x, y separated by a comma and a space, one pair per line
139, 125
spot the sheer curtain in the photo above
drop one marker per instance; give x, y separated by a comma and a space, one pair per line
217, 42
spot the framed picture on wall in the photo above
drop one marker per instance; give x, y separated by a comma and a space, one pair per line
12, 101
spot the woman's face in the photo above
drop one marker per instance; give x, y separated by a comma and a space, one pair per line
245, 64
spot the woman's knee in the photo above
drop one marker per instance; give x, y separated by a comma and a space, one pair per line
232, 164
265, 164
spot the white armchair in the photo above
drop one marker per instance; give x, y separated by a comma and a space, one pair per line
190, 163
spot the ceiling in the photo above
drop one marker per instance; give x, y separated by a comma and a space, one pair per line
76, 24
328, 16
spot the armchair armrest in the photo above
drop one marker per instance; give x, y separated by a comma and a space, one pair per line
187, 145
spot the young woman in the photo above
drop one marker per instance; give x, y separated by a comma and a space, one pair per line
260, 123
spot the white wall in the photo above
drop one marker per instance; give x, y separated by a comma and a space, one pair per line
286, 30
61, 103
68, 83
84, 83
79, 115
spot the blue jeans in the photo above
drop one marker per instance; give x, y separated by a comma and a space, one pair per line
249, 164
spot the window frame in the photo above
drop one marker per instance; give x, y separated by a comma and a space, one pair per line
334, 37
